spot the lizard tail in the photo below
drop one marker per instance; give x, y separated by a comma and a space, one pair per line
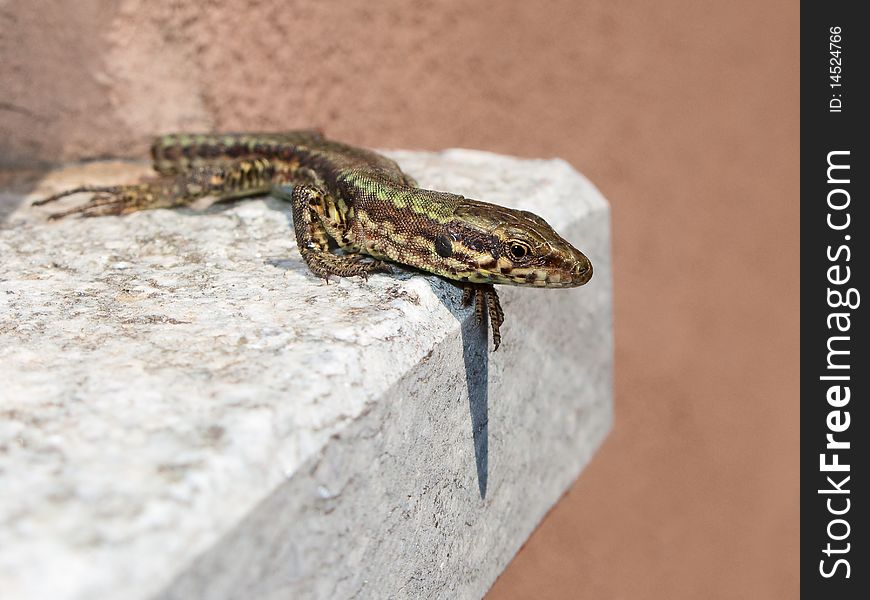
110, 189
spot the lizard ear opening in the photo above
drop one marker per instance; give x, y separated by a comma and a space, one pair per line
444, 246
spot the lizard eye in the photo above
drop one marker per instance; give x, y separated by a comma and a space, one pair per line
519, 250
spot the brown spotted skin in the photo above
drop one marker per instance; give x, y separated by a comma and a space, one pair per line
360, 200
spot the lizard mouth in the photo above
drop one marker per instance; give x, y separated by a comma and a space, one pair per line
578, 274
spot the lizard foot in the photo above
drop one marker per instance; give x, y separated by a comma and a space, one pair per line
105, 200
485, 301
323, 264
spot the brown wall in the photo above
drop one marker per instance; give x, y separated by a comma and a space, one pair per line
684, 113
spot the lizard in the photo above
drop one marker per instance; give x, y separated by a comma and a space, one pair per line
359, 202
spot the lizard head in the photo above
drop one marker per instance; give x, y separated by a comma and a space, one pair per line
507, 246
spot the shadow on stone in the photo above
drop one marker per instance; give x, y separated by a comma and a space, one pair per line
475, 354
15, 186
475, 350
475, 344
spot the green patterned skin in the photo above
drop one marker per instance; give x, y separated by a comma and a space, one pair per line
362, 202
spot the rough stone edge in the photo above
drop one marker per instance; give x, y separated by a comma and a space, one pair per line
277, 492
346, 476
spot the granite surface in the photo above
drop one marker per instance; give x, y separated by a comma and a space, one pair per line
187, 413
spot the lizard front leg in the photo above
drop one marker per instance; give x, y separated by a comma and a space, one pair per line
309, 211
485, 300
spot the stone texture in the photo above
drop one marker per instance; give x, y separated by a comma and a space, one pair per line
187, 413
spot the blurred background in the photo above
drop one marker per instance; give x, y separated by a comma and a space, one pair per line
683, 112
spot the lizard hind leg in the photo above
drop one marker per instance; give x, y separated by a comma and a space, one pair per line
224, 181
105, 200
82, 189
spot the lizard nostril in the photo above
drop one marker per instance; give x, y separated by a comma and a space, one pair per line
582, 270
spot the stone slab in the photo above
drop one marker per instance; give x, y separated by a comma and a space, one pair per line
186, 412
